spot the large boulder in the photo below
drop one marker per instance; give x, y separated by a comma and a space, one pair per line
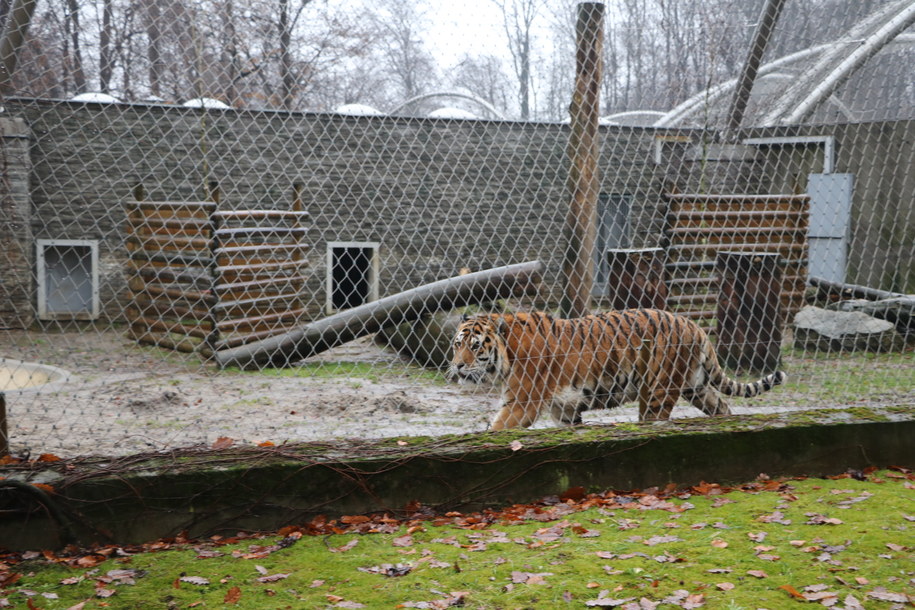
819, 329
426, 341
898, 310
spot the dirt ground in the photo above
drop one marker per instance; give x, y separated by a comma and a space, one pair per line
122, 399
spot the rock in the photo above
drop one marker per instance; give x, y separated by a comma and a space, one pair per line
898, 310
824, 330
426, 341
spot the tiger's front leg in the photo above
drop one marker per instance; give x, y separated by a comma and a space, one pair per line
516, 414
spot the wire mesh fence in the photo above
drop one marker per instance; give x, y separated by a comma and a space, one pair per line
265, 222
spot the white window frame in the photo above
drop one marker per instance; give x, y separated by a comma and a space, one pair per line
41, 270
374, 268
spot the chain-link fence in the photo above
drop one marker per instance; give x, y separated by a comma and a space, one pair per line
264, 221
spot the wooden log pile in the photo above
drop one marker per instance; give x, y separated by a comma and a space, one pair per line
201, 279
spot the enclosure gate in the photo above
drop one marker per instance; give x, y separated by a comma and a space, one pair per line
201, 279
699, 226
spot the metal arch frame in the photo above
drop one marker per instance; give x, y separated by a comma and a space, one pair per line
467, 96
895, 22
892, 28
719, 91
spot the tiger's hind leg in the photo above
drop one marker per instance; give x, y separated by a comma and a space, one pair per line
659, 405
707, 400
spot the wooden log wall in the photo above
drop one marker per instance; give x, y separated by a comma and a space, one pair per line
201, 279
699, 226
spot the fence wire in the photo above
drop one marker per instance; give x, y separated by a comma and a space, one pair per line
265, 222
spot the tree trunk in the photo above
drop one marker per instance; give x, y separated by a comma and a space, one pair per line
584, 184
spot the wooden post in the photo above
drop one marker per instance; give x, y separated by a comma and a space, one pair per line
636, 278
749, 311
764, 28
581, 221
4, 429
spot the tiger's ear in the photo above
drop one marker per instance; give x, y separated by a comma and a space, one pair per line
464, 317
502, 326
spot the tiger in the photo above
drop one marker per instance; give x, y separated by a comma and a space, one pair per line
597, 361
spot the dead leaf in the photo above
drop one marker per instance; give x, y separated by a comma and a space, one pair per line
661, 540
606, 602
530, 578
725, 586
345, 547
273, 578
233, 595
195, 580
719, 544
403, 541
791, 591
223, 442
886, 596
757, 573
48, 457
516, 445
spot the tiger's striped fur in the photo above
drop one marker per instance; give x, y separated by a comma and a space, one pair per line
571, 365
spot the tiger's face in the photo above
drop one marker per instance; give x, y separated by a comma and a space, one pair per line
479, 352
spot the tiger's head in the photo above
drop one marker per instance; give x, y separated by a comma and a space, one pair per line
479, 351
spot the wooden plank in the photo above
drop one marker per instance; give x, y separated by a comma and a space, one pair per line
234, 232
295, 215
235, 287
294, 264
170, 258
143, 305
242, 339
196, 279
186, 345
171, 243
201, 331
291, 316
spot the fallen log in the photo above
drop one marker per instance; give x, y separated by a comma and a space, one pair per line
849, 291
320, 335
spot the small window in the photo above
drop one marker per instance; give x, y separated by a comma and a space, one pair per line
67, 273
613, 232
352, 274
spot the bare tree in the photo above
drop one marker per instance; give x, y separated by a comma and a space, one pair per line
484, 77
518, 17
72, 53
399, 24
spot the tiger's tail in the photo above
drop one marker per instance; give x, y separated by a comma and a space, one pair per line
724, 384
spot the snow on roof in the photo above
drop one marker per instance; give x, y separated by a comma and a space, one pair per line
95, 96
357, 110
205, 102
451, 113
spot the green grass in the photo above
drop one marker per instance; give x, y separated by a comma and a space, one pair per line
361, 370
742, 549
817, 378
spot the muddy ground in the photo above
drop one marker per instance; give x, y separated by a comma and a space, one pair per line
122, 399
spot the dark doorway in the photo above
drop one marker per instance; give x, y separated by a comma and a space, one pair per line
351, 275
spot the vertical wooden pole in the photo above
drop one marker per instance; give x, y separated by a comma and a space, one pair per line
584, 184
4, 429
767, 20
636, 278
749, 311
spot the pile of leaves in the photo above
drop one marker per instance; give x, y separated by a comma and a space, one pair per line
840, 542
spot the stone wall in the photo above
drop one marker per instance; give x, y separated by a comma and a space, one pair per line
438, 195
16, 243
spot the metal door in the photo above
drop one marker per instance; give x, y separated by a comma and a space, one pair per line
830, 214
